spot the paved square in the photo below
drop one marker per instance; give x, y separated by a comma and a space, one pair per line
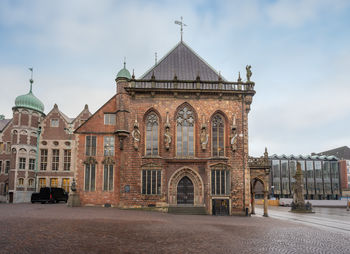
56, 228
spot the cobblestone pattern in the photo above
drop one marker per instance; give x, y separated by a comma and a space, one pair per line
27, 228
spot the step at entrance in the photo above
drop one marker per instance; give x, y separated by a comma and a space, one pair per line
191, 210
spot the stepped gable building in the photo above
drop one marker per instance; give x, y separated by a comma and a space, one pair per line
57, 148
176, 137
22, 169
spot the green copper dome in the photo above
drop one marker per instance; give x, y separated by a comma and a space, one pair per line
29, 101
124, 73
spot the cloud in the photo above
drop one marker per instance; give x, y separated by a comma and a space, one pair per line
295, 13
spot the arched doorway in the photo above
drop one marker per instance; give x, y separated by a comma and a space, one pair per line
258, 186
186, 182
185, 193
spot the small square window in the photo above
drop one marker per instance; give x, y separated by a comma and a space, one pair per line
54, 123
109, 119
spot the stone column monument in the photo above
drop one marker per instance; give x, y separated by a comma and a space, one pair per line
73, 199
298, 205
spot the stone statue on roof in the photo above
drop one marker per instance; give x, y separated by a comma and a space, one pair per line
249, 72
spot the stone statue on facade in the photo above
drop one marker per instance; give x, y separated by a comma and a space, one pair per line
233, 135
249, 72
167, 134
204, 137
136, 135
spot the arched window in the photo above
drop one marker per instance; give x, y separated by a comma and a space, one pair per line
218, 129
152, 134
20, 182
185, 133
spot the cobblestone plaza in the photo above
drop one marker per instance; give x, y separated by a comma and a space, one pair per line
28, 228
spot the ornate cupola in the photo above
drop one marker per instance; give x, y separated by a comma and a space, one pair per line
29, 100
123, 73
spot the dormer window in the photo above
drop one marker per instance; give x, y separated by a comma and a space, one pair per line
109, 119
54, 123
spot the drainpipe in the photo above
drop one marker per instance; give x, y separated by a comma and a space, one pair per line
37, 156
243, 159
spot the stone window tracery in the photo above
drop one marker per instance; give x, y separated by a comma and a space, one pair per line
218, 135
185, 122
152, 123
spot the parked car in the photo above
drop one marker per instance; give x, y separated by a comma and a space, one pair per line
50, 195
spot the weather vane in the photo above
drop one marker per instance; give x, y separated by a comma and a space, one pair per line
182, 24
31, 78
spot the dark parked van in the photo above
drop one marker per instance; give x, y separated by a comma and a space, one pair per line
48, 194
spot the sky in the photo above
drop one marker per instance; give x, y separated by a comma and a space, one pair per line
299, 51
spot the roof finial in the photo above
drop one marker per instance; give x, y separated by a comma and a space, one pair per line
155, 58
133, 74
239, 77
182, 24
124, 62
31, 79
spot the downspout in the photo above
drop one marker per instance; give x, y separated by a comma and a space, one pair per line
37, 157
243, 157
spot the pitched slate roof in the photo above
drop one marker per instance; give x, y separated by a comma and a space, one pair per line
3, 123
183, 62
340, 152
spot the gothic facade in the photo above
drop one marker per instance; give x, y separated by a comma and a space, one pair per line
176, 137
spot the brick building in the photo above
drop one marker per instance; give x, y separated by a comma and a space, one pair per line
22, 169
57, 148
175, 137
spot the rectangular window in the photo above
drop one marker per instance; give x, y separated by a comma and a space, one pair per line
54, 182
42, 183
54, 123
108, 178
109, 119
90, 177
90, 146
108, 145
310, 177
65, 184
276, 171
55, 159
31, 164
220, 182
0, 167
66, 160
43, 159
22, 163
151, 182
7, 167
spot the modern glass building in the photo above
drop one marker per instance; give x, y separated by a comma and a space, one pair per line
321, 176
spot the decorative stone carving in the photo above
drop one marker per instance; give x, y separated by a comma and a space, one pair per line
167, 134
90, 160
108, 160
249, 72
204, 137
233, 135
136, 135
